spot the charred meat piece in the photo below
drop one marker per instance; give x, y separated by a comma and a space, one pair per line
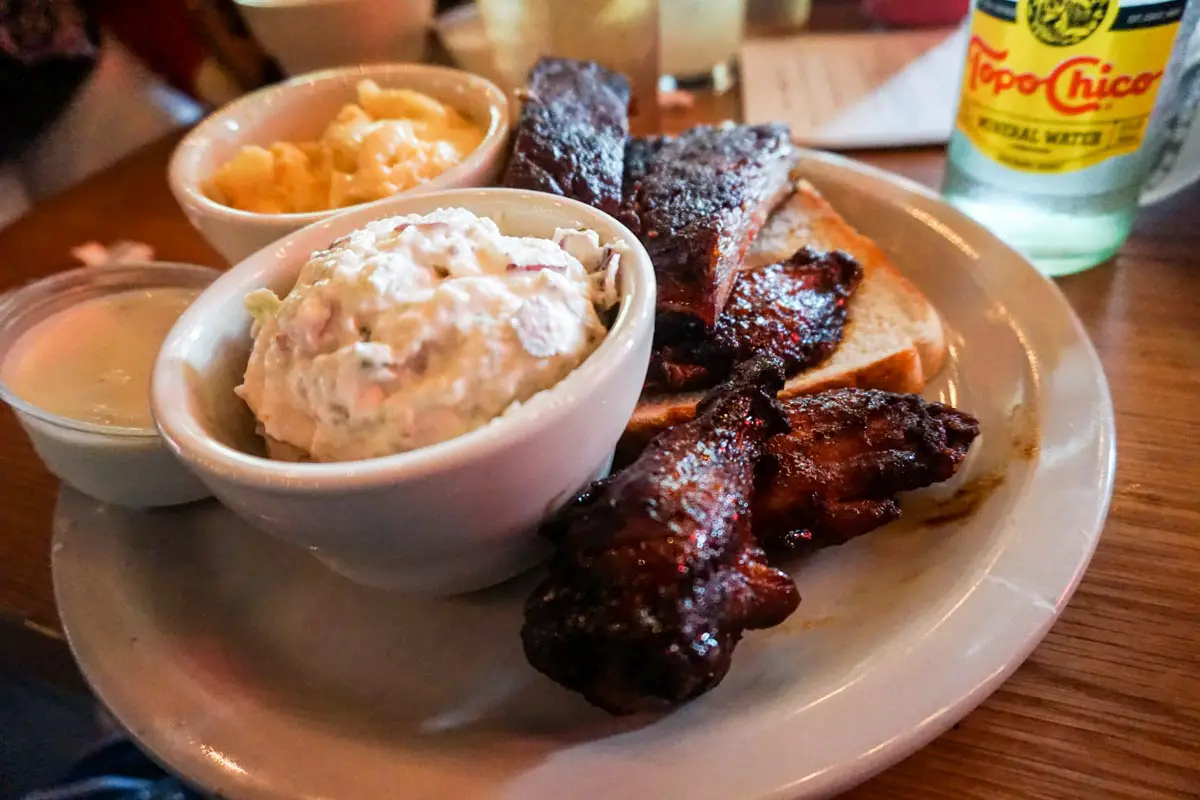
571, 138
656, 574
639, 152
835, 476
795, 310
697, 201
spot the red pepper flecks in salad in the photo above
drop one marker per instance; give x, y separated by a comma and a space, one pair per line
414, 330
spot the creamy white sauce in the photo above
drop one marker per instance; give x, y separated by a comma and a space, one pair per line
414, 330
92, 362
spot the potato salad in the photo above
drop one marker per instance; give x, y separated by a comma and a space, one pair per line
416, 329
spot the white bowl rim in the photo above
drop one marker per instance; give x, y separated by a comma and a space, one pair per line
183, 434
181, 172
21, 295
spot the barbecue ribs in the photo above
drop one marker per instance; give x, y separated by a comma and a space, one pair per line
696, 201
639, 152
656, 574
835, 476
795, 309
571, 137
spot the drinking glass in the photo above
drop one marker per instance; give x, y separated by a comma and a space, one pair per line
622, 35
700, 41
779, 16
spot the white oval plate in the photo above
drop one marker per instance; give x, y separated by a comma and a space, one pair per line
256, 673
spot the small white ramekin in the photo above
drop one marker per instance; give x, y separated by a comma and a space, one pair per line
125, 466
300, 109
305, 35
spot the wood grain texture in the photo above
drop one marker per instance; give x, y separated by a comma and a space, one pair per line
130, 200
1108, 706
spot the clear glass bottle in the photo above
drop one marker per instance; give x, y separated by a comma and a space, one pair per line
1061, 114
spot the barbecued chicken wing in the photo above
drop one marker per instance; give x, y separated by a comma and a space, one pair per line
794, 309
656, 574
835, 476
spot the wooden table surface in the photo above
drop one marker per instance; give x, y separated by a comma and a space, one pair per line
1108, 706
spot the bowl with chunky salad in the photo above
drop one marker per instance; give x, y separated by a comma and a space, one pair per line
408, 389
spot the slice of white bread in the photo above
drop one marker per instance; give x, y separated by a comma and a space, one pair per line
894, 338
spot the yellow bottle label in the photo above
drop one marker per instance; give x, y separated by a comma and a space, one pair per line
1053, 86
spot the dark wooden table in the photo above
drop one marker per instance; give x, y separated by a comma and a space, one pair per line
1107, 707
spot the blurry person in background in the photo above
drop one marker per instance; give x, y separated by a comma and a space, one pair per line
85, 82
47, 51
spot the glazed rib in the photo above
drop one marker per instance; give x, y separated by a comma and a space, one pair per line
795, 309
697, 201
656, 574
835, 476
571, 137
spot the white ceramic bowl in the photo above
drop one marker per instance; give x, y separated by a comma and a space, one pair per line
125, 466
304, 35
300, 109
449, 518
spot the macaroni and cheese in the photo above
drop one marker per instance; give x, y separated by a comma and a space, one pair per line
389, 141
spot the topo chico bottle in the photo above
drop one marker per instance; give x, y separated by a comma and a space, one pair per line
1057, 124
